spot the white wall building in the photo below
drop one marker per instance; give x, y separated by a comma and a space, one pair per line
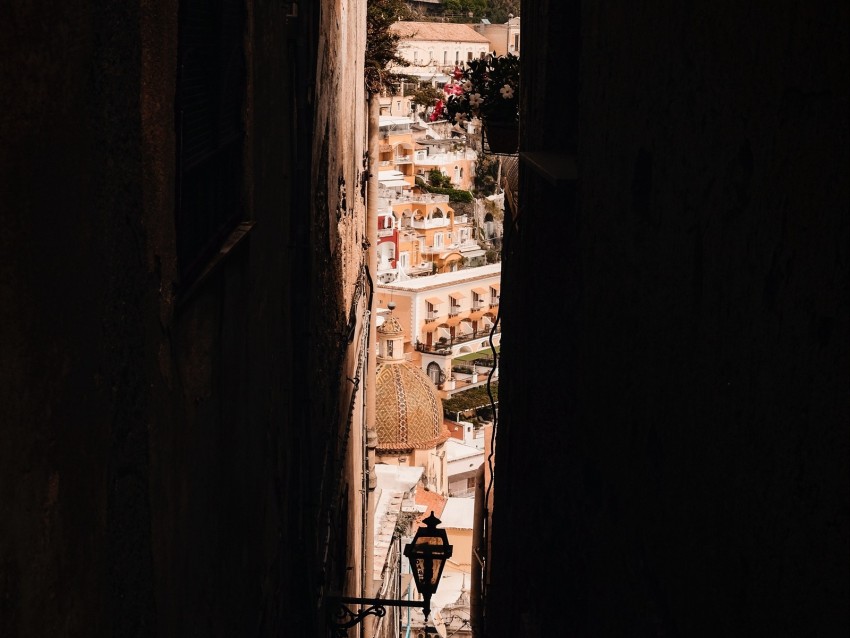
436, 48
447, 316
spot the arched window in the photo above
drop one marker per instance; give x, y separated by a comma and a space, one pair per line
435, 372
489, 226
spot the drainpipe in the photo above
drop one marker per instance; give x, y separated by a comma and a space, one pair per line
479, 555
371, 359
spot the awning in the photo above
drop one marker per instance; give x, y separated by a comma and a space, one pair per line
453, 321
457, 294
496, 287
434, 301
389, 183
480, 290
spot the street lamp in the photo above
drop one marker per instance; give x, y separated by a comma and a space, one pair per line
427, 553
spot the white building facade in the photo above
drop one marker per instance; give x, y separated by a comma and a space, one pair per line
434, 49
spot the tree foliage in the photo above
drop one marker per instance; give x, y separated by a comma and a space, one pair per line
382, 44
426, 96
497, 11
477, 7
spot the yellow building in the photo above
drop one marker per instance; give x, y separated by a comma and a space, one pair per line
503, 38
396, 148
419, 234
411, 148
450, 156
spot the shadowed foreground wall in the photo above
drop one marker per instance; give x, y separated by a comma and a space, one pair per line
679, 467
167, 465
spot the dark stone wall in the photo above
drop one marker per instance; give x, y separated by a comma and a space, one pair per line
678, 467
159, 470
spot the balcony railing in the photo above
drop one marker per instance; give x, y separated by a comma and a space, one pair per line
431, 316
454, 311
445, 347
477, 305
385, 232
446, 158
439, 222
494, 302
424, 198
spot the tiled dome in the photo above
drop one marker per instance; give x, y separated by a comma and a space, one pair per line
408, 414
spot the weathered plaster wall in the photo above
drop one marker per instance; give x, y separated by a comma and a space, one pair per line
696, 415
168, 464
337, 256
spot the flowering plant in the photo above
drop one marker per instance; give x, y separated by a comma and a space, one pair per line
488, 89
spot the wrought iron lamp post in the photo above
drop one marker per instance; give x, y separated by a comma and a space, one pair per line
427, 553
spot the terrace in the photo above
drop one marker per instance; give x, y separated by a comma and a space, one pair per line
452, 346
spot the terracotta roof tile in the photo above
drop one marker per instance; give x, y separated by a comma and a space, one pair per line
432, 501
443, 31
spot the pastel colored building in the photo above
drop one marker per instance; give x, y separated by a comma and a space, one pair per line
447, 316
406, 148
419, 234
503, 38
433, 48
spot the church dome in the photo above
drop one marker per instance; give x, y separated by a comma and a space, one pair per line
408, 412
390, 327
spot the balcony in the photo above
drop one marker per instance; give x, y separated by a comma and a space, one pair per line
451, 346
477, 305
430, 250
431, 315
494, 301
423, 198
454, 311
447, 158
385, 232
403, 159
437, 222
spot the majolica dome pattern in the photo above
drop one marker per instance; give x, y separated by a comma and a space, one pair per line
408, 412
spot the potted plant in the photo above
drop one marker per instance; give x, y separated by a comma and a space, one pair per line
489, 91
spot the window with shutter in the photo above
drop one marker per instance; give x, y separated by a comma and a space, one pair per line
210, 130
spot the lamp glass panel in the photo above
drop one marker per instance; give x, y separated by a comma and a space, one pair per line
437, 569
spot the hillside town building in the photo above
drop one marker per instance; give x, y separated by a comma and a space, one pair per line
433, 49
444, 317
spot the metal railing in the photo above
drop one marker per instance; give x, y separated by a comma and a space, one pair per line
445, 347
